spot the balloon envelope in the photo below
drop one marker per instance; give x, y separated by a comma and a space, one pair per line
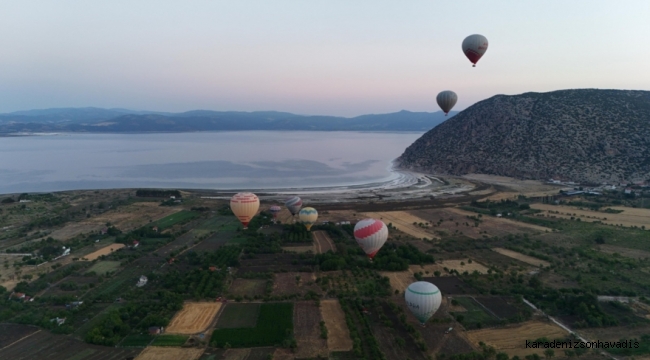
244, 206
294, 204
371, 235
446, 100
423, 299
474, 46
274, 210
308, 216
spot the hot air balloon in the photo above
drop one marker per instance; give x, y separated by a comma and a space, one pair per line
274, 210
308, 216
294, 204
423, 299
244, 206
474, 46
446, 100
371, 235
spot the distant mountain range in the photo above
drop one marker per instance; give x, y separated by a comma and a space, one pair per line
584, 135
99, 120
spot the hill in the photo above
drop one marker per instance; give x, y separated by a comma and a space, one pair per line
585, 135
120, 120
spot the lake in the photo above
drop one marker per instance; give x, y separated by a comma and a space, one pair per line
206, 160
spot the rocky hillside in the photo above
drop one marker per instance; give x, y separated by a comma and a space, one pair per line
582, 135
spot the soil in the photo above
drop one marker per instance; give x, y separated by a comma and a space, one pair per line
236, 354
169, 353
629, 217
286, 284
451, 265
323, 242
403, 221
103, 251
273, 263
306, 322
512, 339
627, 252
247, 287
193, 318
10, 333
521, 257
399, 280
500, 306
338, 336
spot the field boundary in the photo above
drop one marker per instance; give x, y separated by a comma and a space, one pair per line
21, 339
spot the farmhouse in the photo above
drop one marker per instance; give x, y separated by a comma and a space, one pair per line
155, 330
142, 282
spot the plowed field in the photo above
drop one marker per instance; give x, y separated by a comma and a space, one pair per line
306, 320
103, 251
403, 221
521, 257
169, 353
323, 242
193, 318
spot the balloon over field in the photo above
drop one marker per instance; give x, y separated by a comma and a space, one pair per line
308, 216
244, 206
423, 299
274, 210
446, 100
474, 46
294, 204
371, 235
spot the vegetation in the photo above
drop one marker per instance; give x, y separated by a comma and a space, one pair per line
274, 328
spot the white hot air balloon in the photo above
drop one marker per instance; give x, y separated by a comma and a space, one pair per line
308, 216
371, 235
423, 299
244, 206
474, 46
446, 100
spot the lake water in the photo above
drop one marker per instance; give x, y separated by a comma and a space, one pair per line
207, 160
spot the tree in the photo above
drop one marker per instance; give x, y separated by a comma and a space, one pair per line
549, 353
502, 356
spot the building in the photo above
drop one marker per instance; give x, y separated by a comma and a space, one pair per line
155, 330
142, 282
136, 243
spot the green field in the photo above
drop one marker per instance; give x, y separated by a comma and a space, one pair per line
136, 340
103, 267
239, 316
475, 317
169, 340
275, 325
214, 224
174, 219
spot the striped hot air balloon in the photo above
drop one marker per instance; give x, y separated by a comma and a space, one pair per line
274, 210
446, 100
294, 204
474, 46
371, 235
244, 206
423, 299
308, 216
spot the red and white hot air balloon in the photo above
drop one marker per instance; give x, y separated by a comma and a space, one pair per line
274, 210
474, 46
244, 206
371, 235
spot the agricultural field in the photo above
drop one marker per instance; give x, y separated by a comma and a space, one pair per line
236, 316
446, 265
173, 219
193, 318
338, 334
103, 267
404, 222
103, 251
627, 217
169, 340
248, 287
294, 283
166, 353
521, 257
274, 327
11, 333
299, 249
309, 333
451, 285
512, 338
135, 215
323, 243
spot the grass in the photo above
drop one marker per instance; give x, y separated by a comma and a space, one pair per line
239, 316
213, 224
275, 325
103, 267
475, 317
136, 340
174, 219
169, 340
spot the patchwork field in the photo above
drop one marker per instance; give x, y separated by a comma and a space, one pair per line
102, 267
74, 229
103, 251
512, 339
293, 283
628, 217
167, 353
502, 226
133, 216
338, 338
238, 316
403, 221
193, 318
521, 257
306, 320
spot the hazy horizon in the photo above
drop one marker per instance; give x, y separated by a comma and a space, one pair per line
331, 58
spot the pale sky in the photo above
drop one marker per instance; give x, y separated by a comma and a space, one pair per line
311, 57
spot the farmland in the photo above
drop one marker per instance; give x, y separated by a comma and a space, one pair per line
103, 251
221, 292
193, 318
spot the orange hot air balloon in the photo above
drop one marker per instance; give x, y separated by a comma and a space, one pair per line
244, 206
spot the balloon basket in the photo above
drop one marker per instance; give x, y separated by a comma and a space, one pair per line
474, 65
423, 325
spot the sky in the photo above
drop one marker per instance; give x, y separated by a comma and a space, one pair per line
326, 57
